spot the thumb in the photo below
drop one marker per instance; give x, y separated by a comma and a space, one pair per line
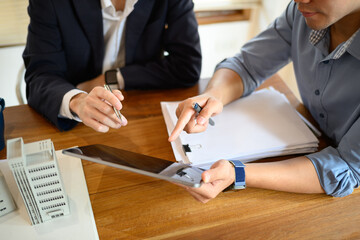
218, 171
204, 116
211, 108
212, 175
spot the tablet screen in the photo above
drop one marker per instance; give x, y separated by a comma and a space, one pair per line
139, 163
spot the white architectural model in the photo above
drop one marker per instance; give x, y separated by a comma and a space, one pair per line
36, 172
6, 202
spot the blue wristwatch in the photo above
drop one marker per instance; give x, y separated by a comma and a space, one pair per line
239, 175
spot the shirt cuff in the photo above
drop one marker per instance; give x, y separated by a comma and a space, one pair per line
335, 176
120, 79
65, 111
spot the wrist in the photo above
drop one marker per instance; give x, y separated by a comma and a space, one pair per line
239, 175
213, 92
226, 85
74, 103
114, 79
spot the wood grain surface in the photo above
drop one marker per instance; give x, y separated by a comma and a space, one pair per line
131, 206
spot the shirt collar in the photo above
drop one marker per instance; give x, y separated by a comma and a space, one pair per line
108, 8
317, 35
106, 4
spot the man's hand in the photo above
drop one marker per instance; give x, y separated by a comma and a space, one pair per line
220, 176
224, 87
187, 119
87, 86
96, 111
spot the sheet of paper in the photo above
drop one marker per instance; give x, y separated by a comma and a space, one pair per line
80, 224
261, 125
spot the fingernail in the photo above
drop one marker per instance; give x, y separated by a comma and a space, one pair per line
124, 121
206, 178
103, 129
200, 120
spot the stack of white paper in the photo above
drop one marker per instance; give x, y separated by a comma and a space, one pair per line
261, 125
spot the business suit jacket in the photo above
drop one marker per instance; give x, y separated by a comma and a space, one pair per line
65, 46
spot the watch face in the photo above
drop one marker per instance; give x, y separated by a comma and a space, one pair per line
110, 77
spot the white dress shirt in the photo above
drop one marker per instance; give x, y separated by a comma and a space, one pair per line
113, 27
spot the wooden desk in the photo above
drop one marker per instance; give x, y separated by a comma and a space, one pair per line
132, 206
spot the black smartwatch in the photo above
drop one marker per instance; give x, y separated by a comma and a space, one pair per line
111, 78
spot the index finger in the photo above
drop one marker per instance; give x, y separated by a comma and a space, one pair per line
109, 97
183, 119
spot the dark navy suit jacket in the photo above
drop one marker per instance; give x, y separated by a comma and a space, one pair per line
65, 46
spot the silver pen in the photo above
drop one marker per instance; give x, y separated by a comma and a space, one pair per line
117, 112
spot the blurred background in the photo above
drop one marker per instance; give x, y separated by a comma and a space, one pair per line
224, 26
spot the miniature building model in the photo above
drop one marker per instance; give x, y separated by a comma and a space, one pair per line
6, 202
36, 172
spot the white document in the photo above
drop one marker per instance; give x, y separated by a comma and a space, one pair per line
261, 125
80, 224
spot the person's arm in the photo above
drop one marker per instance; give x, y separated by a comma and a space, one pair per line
44, 59
174, 30
259, 59
52, 72
294, 175
334, 171
338, 167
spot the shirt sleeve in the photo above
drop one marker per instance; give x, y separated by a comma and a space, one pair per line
265, 54
338, 168
65, 105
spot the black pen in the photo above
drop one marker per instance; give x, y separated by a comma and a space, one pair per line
117, 112
198, 109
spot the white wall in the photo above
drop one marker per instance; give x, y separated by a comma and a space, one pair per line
219, 41
10, 64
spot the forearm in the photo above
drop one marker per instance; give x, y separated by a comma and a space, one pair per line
226, 85
293, 175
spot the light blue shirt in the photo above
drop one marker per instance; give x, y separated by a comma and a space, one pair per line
329, 84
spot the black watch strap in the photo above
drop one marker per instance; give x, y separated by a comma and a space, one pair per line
111, 78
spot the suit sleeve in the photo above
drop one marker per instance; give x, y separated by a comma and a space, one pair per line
182, 66
45, 64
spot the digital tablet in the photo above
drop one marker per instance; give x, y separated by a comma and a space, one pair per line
139, 163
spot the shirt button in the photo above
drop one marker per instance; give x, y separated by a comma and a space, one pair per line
321, 115
317, 92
